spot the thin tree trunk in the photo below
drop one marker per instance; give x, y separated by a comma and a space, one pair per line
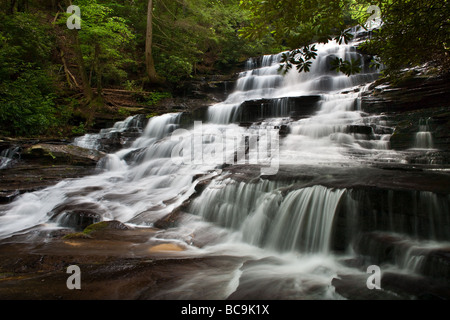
80, 61
12, 6
69, 76
98, 69
151, 71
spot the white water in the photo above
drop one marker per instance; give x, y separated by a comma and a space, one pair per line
300, 221
141, 184
7, 156
424, 138
93, 140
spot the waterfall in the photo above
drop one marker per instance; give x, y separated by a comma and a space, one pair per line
96, 141
401, 228
291, 230
7, 156
303, 222
424, 138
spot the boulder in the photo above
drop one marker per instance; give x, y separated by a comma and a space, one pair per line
78, 219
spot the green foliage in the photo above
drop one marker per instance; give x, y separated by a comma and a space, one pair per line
104, 37
79, 130
413, 33
151, 115
298, 24
27, 104
174, 68
131, 85
23, 39
295, 23
347, 67
301, 58
154, 97
123, 112
191, 38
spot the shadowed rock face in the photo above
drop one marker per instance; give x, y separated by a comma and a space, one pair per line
407, 103
294, 107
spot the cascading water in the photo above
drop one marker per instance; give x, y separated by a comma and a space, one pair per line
424, 138
116, 134
8, 155
296, 229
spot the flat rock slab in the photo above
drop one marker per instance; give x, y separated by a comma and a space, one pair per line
133, 266
28, 177
62, 153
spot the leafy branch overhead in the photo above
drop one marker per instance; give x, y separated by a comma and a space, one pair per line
302, 58
413, 32
298, 24
346, 67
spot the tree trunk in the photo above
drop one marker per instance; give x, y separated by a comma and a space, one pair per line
151, 72
87, 91
12, 6
98, 69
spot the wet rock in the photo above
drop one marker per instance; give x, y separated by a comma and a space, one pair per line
354, 287
212, 87
359, 129
8, 196
106, 225
169, 221
436, 264
76, 214
407, 102
166, 247
29, 176
284, 130
295, 107
419, 215
102, 228
380, 247
193, 114
62, 154
431, 157
414, 286
78, 219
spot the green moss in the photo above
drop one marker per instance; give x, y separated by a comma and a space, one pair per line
95, 227
123, 112
76, 235
151, 115
85, 234
51, 155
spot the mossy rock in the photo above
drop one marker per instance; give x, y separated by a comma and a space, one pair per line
62, 154
105, 225
97, 227
77, 235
